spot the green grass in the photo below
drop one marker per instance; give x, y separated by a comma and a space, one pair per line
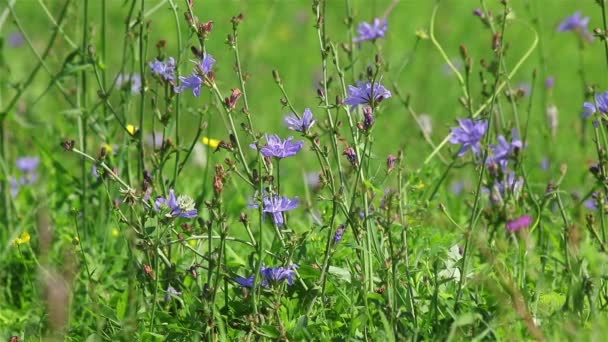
95, 268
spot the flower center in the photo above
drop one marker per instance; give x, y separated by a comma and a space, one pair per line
185, 203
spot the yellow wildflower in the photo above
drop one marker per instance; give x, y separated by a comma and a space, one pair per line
108, 148
131, 129
213, 143
115, 232
23, 238
420, 185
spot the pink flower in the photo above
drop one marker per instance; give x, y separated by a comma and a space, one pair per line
519, 223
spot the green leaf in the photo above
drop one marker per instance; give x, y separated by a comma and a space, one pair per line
270, 331
340, 273
150, 336
121, 305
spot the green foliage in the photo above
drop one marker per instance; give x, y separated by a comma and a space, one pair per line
417, 247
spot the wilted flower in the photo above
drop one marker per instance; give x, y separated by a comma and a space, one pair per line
552, 119
469, 135
525, 89
576, 23
231, 101
134, 81
276, 205
275, 147
270, 275
426, 124
600, 105
351, 155
373, 31
366, 93
519, 223
165, 70
182, 206
300, 125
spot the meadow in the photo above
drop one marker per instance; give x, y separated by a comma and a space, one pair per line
303, 170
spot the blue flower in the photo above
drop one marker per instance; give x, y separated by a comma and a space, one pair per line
300, 125
502, 151
577, 23
193, 82
270, 275
277, 274
165, 69
206, 63
275, 147
245, 282
171, 291
600, 105
27, 167
371, 32
339, 233
27, 164
469, 134
16, 39
366, 93
276, 205
182, 206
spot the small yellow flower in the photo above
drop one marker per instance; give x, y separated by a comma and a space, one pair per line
115, 232
213, 143
420, 185
108, 148
131, 129
192, 243
23, 238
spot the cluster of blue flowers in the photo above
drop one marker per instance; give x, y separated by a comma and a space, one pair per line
197, 79
270, 276
469, 135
